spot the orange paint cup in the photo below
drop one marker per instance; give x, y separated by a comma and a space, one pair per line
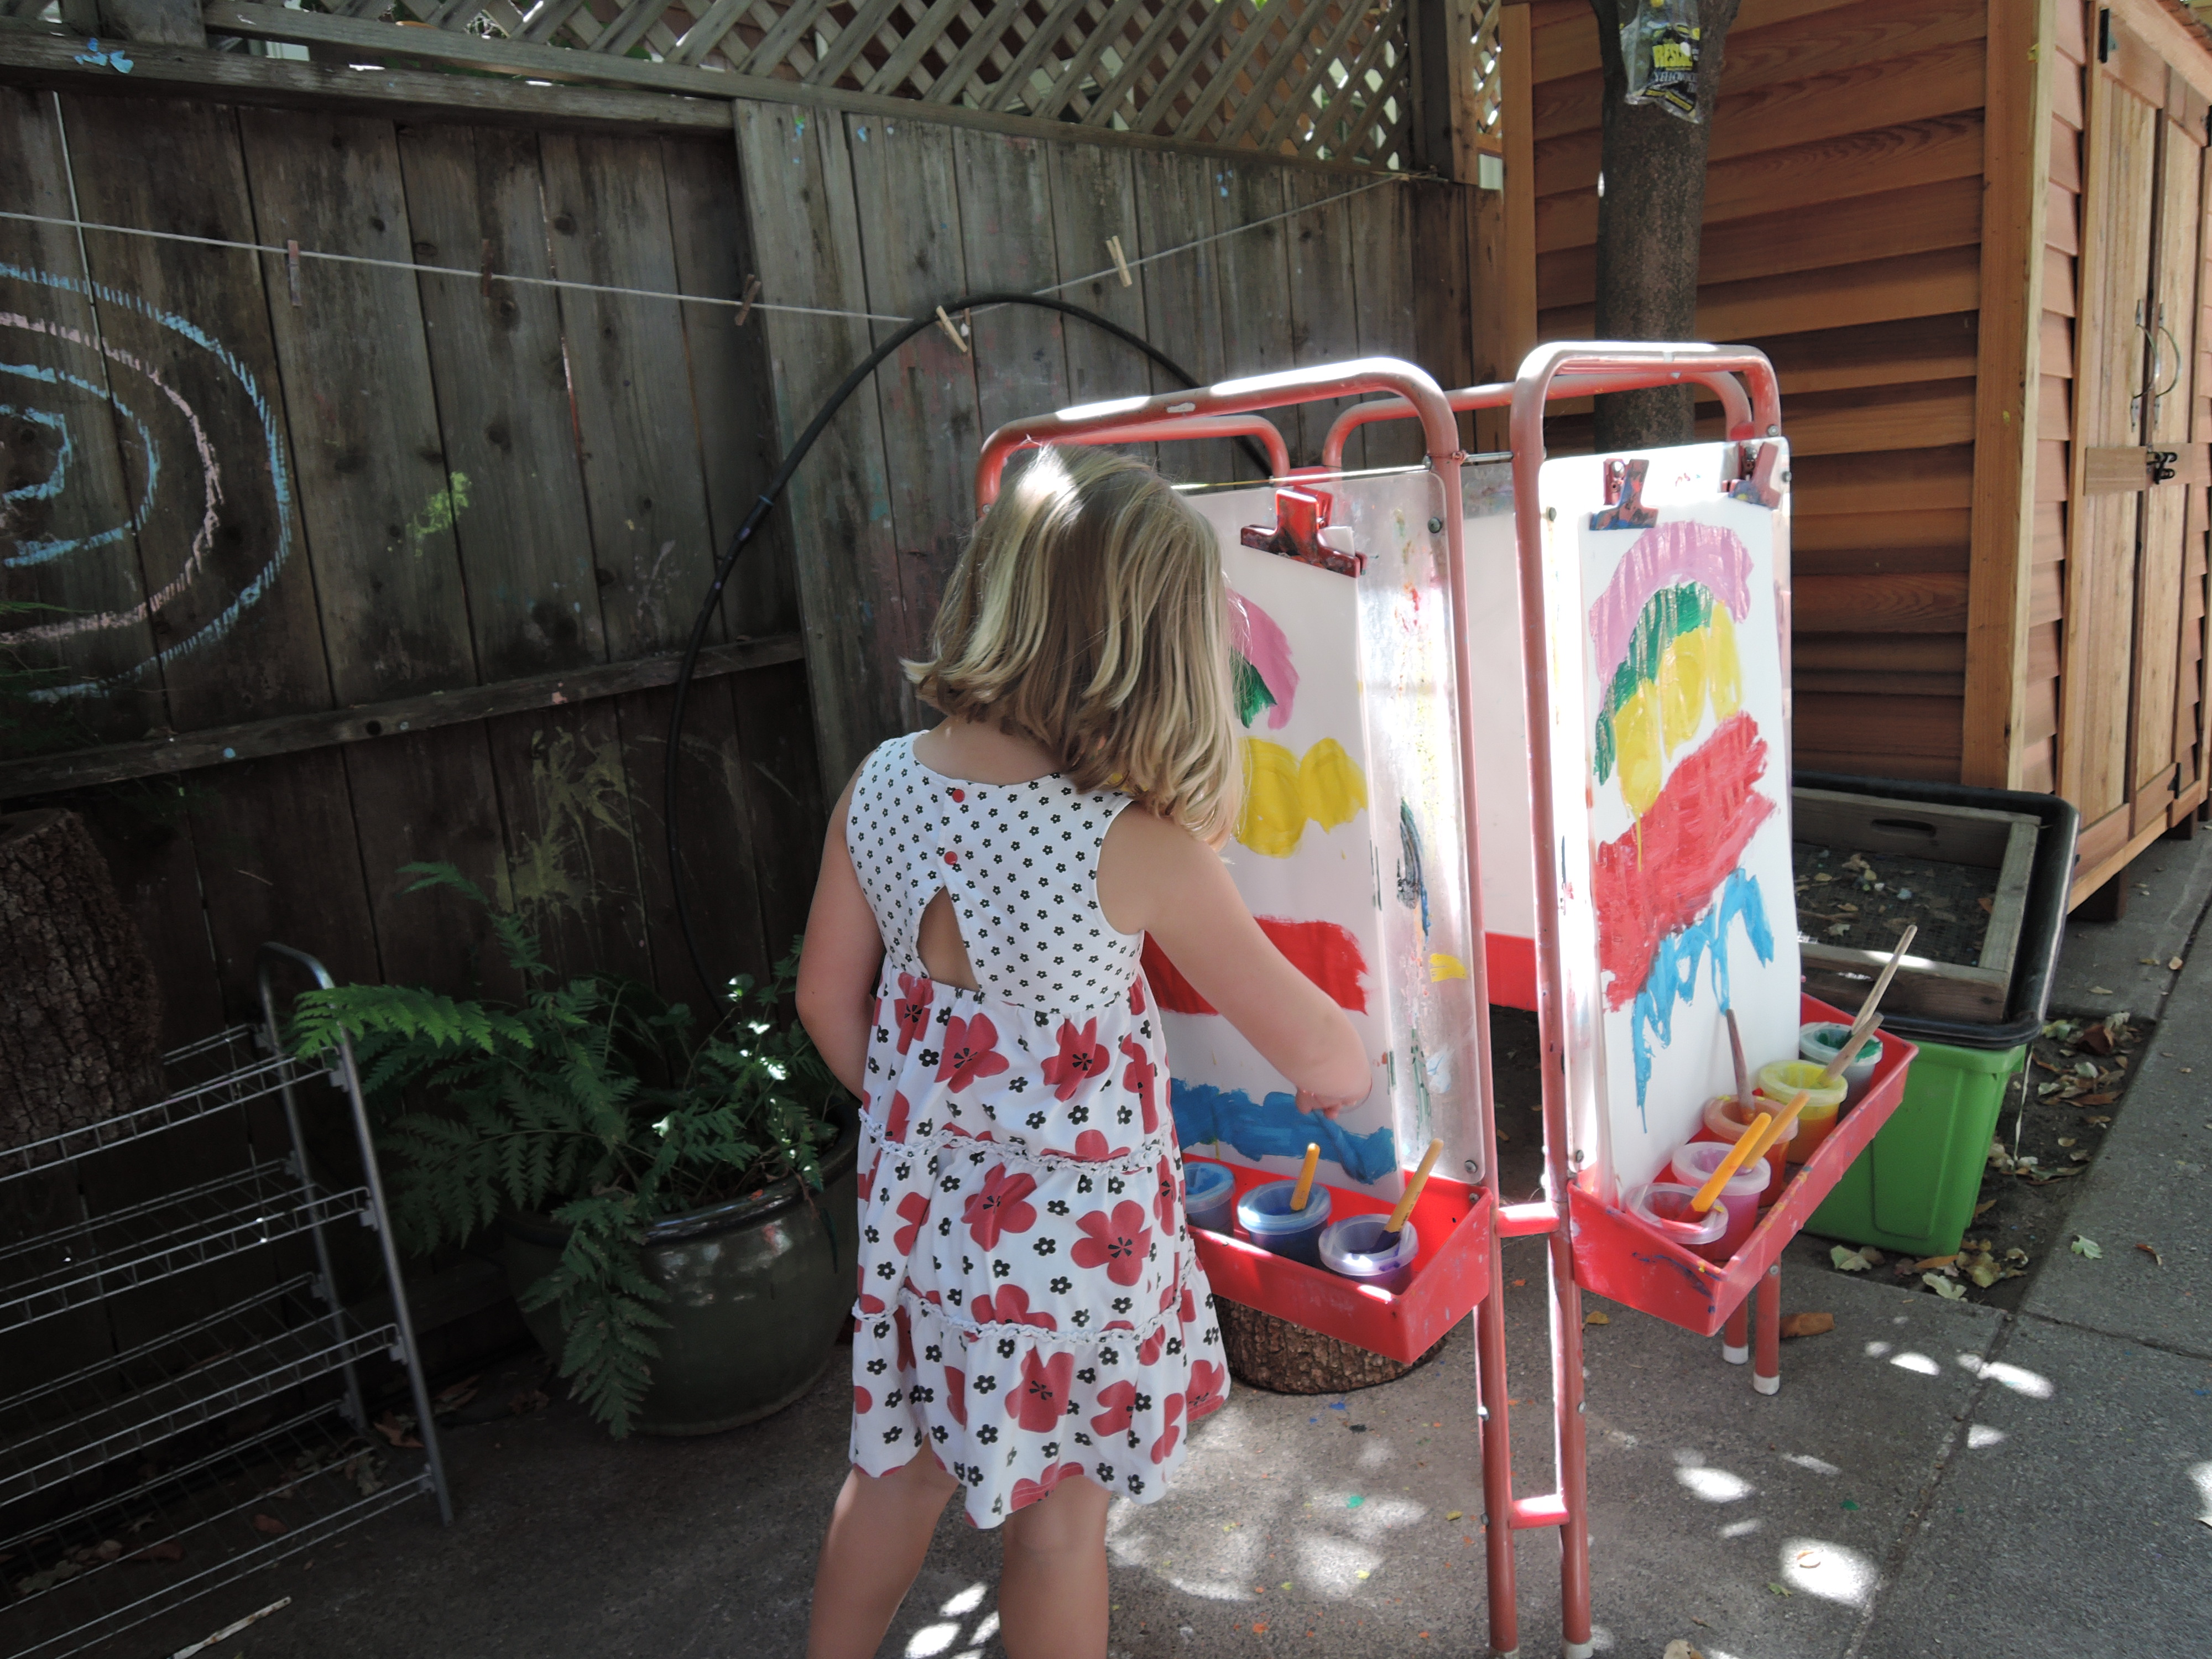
1727, 1122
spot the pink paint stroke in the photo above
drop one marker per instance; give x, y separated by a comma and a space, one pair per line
1264, 646
1680, 551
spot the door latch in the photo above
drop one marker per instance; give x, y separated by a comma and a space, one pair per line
2160, 462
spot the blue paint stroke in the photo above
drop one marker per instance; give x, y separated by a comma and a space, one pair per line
279, 481
1413, 883
1275, 1127
1674, 965
43, 552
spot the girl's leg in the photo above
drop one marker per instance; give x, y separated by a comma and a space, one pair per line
879, 1533
1052, 1589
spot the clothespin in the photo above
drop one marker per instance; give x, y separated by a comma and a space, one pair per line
292, 266
753, 293
483, 271
945, 323
1121, 263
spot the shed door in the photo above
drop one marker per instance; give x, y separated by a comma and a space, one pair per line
2129, 739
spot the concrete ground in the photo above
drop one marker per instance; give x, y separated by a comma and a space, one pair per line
1934, 1477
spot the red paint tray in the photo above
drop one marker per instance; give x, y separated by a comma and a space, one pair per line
1451, 1274
1620, 1257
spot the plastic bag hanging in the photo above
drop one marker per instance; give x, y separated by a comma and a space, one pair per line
1659, 48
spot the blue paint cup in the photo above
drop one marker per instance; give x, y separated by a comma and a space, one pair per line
1209, 1197
1354, 1247
1266, 1215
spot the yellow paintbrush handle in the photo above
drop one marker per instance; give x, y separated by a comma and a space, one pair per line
1303, 1190
1739, 1155
1780, 1128
1414, 1187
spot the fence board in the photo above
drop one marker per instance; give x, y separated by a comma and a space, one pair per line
1093, 197
365, 433
1379, 225
1257, 323
1175, 197
608, 207
1005, 226
1325, 303
496, 361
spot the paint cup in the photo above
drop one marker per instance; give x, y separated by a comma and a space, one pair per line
1694, 1164
1726, 1122
1349, 1246
1781, 1083
1664, 1207
1209, 1197
1268, 1220
1818, 1042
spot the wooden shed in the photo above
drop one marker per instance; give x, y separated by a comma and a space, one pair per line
1970, 233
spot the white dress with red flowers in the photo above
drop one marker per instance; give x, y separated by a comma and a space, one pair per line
1030, 1307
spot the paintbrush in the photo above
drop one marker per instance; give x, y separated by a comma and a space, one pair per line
1743, 1070
1776, 1130
1303, 1190
1739, 1155
1860, 1036
1389, 1238
1874, 997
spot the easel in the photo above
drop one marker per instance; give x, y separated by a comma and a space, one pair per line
1591, 1240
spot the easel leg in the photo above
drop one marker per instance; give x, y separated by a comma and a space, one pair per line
1736, 1335
1571, 1451
1766, 1370
1497, 1465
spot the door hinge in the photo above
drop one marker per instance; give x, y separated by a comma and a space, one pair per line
2104, 41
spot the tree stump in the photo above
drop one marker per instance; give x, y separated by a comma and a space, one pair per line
80, 1009
1271, 1353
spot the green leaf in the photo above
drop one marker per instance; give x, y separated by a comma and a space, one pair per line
2088, 1247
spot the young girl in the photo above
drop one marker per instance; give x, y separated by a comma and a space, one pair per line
1034, 1330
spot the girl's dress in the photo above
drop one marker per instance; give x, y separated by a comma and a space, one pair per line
1030, 1306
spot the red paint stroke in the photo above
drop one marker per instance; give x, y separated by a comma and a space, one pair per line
1660, 876
1324, 952
1679, 552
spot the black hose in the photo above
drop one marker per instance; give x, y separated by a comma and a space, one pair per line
767, 499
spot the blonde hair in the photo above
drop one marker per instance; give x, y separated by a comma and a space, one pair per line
1089, 614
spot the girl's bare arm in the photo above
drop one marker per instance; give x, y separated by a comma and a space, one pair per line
844, 955
1156, 878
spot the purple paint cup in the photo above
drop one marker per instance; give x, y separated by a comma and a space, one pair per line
1354, 1247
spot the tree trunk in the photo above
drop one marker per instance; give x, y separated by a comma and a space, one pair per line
1650, 217
80, 1009
1273, 1354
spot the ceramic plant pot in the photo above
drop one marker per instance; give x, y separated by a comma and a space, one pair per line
758, 1289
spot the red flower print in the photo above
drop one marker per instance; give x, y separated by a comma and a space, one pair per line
911, 1009
1001, 1206
1139, 1080
1189, 1305
1009, 1307
870, 1304
956, 1395
971, 1050
1137, 994
1205, 1388
1090, 1146
1118, 1245
905, 1340
1114, 1419
1148, 1349
863, 1403
1041, 1401
901, 1108
1163, 1196
1171, 1410
1081, 1057
1027, 1493
916, 1209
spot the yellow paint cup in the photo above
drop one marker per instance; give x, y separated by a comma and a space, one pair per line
1780, 1084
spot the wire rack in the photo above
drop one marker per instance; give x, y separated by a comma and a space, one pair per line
220, 1441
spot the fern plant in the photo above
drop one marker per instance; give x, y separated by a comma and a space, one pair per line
594, 1100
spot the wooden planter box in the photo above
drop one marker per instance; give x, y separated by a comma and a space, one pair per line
2003, 841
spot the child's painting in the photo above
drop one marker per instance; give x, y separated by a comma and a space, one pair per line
1670, 754
1349, 845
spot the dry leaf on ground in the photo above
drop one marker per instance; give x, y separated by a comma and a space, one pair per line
1594, 1317
1949, 1289
2174, 964
1678, 1649
397, 1428
167, 1550
269, 1524
2151, 1250
1807, 1324
528, 1400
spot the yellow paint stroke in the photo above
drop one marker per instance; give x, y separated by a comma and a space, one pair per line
1282, 792
1442, 966
439, 512
1697, 669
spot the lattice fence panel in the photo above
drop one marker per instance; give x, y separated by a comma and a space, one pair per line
1328, 79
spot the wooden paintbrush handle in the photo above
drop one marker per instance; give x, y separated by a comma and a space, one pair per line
1414, 1187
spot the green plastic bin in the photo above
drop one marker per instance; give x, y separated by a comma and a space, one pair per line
1913, 1189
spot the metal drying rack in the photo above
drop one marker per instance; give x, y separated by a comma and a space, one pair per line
140, 1482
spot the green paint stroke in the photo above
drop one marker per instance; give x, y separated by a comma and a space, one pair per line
439, 512
1667, 615
1253, 697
